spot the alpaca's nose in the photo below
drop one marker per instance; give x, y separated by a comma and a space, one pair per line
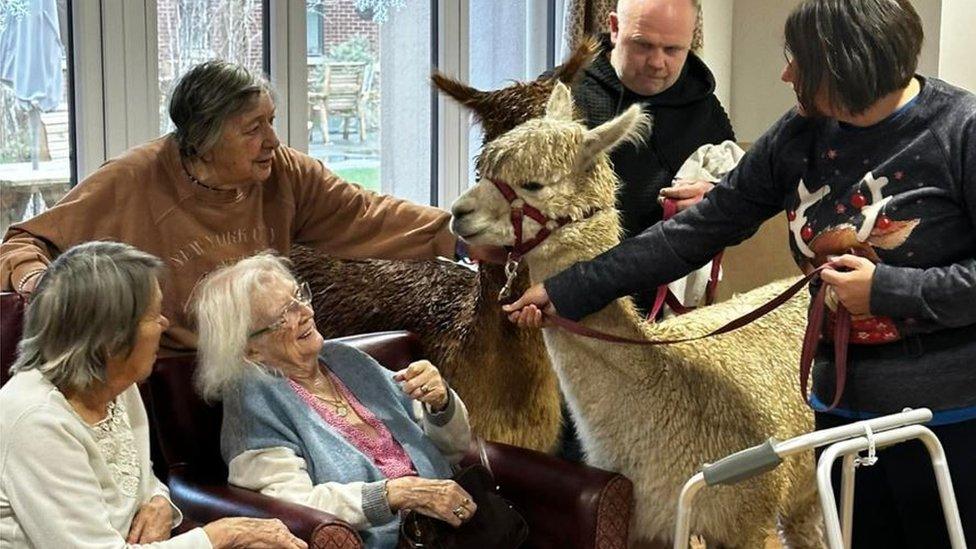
459, 212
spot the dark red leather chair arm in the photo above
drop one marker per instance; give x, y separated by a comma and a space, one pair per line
567, 504
203, 502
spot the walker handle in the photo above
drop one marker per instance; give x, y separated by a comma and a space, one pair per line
743, 464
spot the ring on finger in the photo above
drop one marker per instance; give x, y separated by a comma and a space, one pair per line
459, 512
426, 389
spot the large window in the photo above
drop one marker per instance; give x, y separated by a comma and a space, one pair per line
35, 138
497, 49
189, 32
368, 95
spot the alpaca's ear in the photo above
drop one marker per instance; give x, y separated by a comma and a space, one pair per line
560, 106
631, 126
476, 100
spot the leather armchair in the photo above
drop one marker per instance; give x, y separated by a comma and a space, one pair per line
11, 326
567, 505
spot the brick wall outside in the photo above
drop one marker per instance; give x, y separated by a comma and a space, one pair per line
343, 22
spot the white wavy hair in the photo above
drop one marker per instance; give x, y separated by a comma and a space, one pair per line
225, 303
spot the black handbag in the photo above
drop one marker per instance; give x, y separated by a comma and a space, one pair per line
495, 525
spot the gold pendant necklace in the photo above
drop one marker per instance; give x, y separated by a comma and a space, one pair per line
341, 408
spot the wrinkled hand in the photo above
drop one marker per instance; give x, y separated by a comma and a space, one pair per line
852, 287
434, 498
422, 381
527, 311
252, 532
153, 522
488, 254
685, 193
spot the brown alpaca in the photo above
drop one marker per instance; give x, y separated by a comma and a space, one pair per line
655, 414
501, 373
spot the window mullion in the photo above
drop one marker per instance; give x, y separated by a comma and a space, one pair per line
89, 145
288, 70
452, 142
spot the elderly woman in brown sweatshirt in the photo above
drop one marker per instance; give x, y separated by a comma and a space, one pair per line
220, 187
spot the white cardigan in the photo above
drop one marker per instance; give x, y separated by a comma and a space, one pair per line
60, 488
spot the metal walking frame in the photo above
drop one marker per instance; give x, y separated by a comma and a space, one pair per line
845, 441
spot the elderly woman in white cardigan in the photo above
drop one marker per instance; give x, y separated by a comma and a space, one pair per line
74, 437
323, 424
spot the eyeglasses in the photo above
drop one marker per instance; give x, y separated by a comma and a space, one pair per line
301, 298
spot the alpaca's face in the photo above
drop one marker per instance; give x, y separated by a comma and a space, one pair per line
552, 163
537, 159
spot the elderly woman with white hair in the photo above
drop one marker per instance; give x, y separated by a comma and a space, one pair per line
321, 423
74, 436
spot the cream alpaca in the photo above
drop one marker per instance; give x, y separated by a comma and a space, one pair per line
655, 414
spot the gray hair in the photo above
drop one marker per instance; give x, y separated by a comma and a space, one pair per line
205, 97
223, 303
86, 309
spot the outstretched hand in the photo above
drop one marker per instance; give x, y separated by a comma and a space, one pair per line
529, 310
685, 193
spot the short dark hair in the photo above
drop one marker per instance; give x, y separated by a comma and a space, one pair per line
205, 97
858, 50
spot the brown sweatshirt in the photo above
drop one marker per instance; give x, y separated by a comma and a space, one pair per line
144, 198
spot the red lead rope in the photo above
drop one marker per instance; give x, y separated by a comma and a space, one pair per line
664, 293
810, 340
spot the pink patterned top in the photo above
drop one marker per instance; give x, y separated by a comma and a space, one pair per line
384, 450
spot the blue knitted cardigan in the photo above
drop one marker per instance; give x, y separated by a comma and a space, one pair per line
263, 411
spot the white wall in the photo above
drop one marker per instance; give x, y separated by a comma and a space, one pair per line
717, 15
931, 13
958, 43
759, 98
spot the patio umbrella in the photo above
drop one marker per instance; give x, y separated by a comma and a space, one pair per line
30, 60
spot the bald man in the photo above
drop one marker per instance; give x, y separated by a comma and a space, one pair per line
647, 60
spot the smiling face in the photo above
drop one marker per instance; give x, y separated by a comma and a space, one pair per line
294, 344
244, 153
651, 41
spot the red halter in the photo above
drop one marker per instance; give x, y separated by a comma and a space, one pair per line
519, 211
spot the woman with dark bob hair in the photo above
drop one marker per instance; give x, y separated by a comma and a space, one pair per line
74, 436
876, 170
218, 188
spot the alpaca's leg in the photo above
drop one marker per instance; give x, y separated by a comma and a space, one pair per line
803, 525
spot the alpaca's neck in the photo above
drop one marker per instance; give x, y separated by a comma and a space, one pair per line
583, 241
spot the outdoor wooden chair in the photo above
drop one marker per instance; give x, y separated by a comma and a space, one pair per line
343, 92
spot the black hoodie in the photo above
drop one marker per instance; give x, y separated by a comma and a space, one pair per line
685, 116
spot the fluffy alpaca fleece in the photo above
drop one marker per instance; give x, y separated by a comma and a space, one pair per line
654, 414
502, 373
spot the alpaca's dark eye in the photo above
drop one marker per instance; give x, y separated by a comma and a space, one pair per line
532, 186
